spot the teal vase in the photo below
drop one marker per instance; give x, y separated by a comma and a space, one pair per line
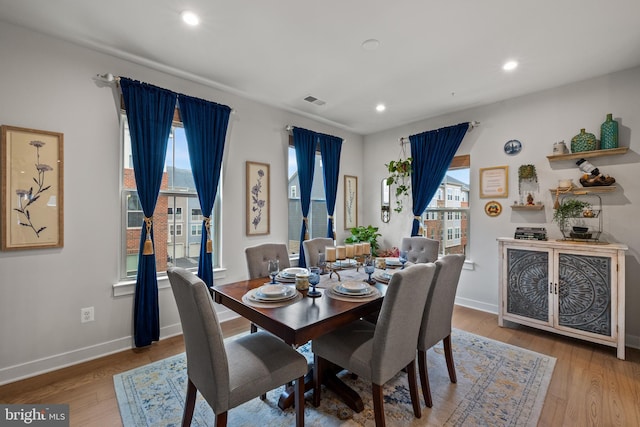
609, 133
584, 141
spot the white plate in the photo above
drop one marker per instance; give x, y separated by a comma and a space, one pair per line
393, 261
354, 287
291, 272
286, 279
336, 289
259, 296
273, 290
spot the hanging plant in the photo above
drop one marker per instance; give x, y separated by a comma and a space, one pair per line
527, 173
400, 175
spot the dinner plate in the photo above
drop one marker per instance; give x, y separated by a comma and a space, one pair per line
338, 291
393, 261
354, 287
291, 272
383, 277
286, 279
256, 295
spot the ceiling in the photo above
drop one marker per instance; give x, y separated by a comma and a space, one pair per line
434, 57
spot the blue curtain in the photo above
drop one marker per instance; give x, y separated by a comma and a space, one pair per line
330, 147
432, 153
205, 125
304, 142
149, 113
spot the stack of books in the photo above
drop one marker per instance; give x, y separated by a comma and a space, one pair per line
531, 233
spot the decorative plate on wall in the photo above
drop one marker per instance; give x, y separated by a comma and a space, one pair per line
512, 147
493, 208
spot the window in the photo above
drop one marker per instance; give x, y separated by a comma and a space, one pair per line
318, 209
448, 220
178, 194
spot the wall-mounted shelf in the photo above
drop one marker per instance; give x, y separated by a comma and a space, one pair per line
588, 154
527, 207
585, 190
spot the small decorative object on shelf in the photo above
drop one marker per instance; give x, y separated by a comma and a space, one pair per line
560, 148
584, 141
609, 133
592, 176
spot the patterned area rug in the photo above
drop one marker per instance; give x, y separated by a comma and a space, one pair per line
498, 385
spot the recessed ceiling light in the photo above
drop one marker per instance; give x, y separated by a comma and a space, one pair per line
380, 108
510, 65
371, 44
190, 18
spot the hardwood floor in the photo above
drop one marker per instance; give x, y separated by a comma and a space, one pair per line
590, 386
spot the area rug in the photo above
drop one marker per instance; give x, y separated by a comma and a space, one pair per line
498, 385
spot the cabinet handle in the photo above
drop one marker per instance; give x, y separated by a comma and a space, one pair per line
556, 289
550, 287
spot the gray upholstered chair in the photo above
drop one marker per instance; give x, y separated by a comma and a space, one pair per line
436, 320
378, 352
257, 257
420, 249
313, 248
229, 374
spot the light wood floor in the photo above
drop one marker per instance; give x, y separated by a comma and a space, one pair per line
590, 386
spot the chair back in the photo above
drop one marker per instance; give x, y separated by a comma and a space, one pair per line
257, 257
396, 333
436, 319
207, 365
420, 249
313, 248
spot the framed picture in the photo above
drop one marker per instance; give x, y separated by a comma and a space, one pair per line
31, 182
494, 182
350, 202
258, 201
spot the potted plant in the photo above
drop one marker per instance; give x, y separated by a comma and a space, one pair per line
400, 175
365, 234
569, 208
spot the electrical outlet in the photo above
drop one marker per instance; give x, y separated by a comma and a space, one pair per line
86, 315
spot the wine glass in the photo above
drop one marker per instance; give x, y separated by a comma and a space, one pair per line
403, 258
274, 269
322, 263
314, 279
369, 266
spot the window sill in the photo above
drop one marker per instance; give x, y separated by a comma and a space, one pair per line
128, 287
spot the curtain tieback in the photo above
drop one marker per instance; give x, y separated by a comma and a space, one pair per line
419, 219
306, 227
148, 243
207, 226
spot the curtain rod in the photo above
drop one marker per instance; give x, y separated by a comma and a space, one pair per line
472, 124
109, 79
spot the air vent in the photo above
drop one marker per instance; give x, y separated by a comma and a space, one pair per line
314, 100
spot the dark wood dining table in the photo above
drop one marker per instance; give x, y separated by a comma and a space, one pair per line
302, 321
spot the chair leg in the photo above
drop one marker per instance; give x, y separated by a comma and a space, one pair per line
448, 354
189, 404
424, 377
317, 379
413, 389
254, 328
299, 401
378, 401
221, 419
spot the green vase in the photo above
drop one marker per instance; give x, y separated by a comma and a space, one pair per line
583, 141
609, 133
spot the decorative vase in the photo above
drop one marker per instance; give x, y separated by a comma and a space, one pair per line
584, 141
609, 133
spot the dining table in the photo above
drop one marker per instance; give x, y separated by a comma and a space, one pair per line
300, 319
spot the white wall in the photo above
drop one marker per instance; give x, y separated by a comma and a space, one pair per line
48, 84
537, 120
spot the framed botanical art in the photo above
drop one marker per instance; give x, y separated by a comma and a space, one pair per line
31, 183
494, 182
258, 201
350, 202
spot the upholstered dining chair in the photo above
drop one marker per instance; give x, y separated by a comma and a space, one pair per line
313, 248
436, 319
420, 249
230, 373
378, 352
257, 257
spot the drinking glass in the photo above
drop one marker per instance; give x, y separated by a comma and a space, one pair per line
403, 258
369, 267
274, 269
322, 264
314, 279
